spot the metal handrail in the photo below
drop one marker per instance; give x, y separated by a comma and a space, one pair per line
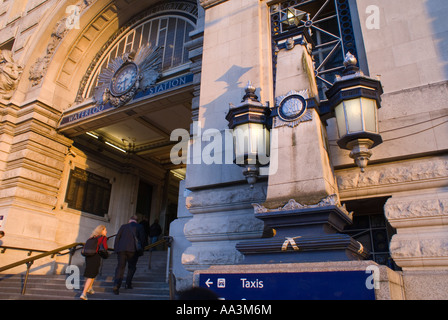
74, 247
155, 244
168, 240
30, 251
29, 261
170, 278
40, 256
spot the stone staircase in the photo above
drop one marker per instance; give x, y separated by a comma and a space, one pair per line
148, 284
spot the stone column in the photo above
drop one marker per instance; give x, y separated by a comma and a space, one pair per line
420, 246
183, 277
302, 203
194, 47
300, 166
236, 48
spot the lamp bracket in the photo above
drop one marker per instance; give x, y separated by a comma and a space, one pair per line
290, 40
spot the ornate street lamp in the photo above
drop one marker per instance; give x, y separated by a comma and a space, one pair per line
249, 121
291, 17
355, 99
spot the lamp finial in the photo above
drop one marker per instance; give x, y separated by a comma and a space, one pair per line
250, 92
350, 64
350, 60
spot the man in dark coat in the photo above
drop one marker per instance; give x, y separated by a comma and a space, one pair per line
129, 244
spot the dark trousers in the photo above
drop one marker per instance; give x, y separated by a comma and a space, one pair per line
131, 259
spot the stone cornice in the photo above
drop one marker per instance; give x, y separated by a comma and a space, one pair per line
427, 172
210, 3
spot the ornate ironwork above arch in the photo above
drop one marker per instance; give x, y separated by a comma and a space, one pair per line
165, 25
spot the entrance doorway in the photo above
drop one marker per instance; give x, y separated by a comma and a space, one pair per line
137, 91
144, 200
172, 197
163, 206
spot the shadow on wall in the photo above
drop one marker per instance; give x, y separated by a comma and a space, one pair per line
232, 77
438, 11
229, 89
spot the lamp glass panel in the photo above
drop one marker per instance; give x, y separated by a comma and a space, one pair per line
291, 17
260, 144
354, 116
251, 140
256, 136
369, 110
340, 119
257, 142
267, 141
285, 17
240, 142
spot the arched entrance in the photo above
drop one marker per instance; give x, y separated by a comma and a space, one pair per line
71, 161
136, 91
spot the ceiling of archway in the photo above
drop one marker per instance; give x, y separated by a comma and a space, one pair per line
142, 128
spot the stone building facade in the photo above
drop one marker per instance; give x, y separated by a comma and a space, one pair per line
74, 153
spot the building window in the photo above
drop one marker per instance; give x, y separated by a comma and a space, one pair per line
330, 25
371, 228
169, 32
88, 192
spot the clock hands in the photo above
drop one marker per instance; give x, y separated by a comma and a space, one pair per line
125, 80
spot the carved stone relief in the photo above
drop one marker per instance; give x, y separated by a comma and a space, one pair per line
331, 200
39, 68
419, 214
10, 73
224, 199
409, 209
221, 218
421, 219
400, 172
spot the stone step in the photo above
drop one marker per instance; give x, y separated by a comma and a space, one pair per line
147, 284
55, 287
158, 265
51, 283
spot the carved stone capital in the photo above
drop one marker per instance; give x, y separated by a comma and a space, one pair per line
420, 250
421, 219
418, 210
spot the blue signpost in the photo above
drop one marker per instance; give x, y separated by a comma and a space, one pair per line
337, 285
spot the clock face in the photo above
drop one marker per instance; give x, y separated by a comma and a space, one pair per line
124, 79
292, 107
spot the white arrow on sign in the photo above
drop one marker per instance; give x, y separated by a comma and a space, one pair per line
208, 282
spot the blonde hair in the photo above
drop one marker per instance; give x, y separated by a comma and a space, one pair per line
97, 231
